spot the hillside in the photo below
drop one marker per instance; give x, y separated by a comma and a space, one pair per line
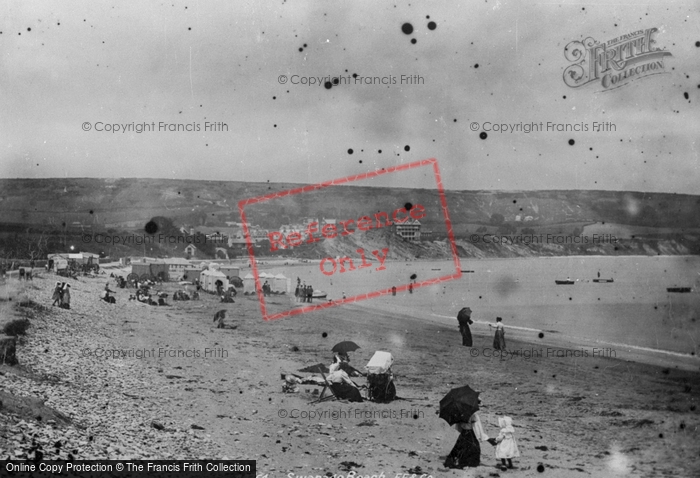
658, 223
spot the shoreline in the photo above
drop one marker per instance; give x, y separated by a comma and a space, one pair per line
618, 410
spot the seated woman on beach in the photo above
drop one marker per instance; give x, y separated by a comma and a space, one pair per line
342, 386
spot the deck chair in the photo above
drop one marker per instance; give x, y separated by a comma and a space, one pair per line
326, 387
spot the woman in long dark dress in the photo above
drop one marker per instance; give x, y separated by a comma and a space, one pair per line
464, 319
499, 338
467, 450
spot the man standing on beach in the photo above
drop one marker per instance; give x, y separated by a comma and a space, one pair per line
465, 320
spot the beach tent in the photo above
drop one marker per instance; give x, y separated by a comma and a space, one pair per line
248, 283
210, 279
280, 283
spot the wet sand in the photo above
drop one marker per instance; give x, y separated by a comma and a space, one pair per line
574, 416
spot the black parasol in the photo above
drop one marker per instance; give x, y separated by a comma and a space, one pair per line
459, 405
345, 347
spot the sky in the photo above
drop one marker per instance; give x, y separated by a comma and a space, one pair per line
70, 70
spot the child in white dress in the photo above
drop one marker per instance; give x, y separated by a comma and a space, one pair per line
506, 446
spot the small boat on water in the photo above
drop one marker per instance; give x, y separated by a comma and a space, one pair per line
564, 282
468, 272
604, 281
678, 289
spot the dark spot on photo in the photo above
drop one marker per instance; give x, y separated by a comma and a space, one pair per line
408, 206
407, 148
407, 28
414, 276
324, 335
432, 25
476, 65
414, 41
685, 95
540, 468
151, 227
328, 85
336, 81
571, 142
350, 151
483, 135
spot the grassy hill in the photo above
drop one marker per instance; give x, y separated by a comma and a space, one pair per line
72, 205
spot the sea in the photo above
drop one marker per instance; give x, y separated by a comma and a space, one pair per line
635, 310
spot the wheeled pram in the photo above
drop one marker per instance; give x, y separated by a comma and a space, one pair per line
380, 380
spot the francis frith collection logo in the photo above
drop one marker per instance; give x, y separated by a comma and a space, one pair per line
614, 63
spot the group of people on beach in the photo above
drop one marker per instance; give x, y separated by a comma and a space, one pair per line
61, 295
464, 319
467, 451
303, 292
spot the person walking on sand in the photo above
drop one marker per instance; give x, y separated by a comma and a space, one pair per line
507, 447
65, 300
56, 296
499, 338
464, 317
467, 451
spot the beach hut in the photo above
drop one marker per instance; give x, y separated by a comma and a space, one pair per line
248, 284
279, 284
212, 278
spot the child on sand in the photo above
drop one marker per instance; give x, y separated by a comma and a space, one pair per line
506, 446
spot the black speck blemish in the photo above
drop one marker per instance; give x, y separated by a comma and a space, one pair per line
301, 49
432, 25
697, 44
408, 206
151, 227
407, 28
324, 335
540, 468
92, 212
350, 151
571, 142
328, 85
476, 65
380, 151
414, 276
407, 148
29, 29
483, 135
685, 95
414, 41
336, 81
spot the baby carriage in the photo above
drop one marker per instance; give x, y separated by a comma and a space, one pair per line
380, 380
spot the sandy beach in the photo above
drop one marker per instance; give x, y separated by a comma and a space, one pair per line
217, 392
